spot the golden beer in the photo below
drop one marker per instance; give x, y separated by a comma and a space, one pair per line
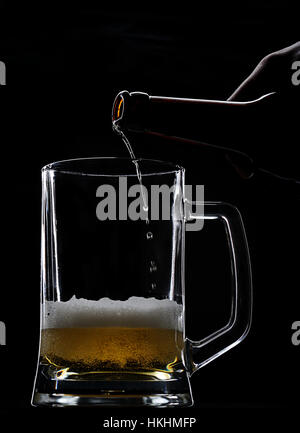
133, 336
112, 348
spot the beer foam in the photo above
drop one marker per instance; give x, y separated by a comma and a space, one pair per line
135, 312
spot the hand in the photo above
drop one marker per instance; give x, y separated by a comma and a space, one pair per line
275, 147
272, 74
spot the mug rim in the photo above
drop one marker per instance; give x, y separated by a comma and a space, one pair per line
163, 167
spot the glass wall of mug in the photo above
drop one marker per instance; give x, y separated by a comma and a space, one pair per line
112, 285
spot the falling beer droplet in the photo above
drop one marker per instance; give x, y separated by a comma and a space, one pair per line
153, 267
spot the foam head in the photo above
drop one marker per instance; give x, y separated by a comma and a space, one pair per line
135, 312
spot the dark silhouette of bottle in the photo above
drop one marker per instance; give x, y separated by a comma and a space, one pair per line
245, 131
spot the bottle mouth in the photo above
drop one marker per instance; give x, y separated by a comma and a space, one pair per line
118, 105
130, 110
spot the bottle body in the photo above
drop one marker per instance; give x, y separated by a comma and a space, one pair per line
210, 121
214, 124
245, 131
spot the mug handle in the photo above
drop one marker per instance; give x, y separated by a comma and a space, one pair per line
200, 353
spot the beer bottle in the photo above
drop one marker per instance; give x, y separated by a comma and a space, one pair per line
243, 130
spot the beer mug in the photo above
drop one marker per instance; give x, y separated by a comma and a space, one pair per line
112, 285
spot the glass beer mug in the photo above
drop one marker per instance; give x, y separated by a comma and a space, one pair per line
112, 285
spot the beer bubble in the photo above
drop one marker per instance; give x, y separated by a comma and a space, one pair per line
149, 235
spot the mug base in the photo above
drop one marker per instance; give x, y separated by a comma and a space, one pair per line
71, 400
108, 389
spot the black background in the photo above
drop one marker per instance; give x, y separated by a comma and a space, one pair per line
64, 67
